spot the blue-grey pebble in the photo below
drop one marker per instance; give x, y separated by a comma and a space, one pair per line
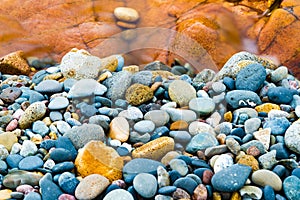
121, 103
201, 142
259, 145
49, 190
32, 196
291, 187
55, 116
68, 182
242, 98
278, 125
296, 172
281, 151
40, 127
173, 175
181, 136
188, 160
104, 101
142, 77
63, 167
58, 103
17, 195
167, 190
47, 144
202, 106
66, 143
231, 179
179, 165
88, 110
187, 184
61, 155
122, 151
281, 95
229, 83
144, 126
238, 132
198, 163
39, 76
13, 160
111, 188
251, 77
268, 193
49, 86
280, 170
30, 163
141, 165
68, 84
145, 190
3, 167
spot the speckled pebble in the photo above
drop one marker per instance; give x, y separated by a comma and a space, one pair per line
175, 92
292, 138
265, 177
33, 113
180, 166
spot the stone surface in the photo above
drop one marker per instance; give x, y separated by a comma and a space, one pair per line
145, 190
33, 113
85, 88
96, 184
118, 194
201, 141
202, 106
242, 98
14, 63
137, 94
291, 187
119, 129
126, 14
292, 138
19, 177
176, 94
97, 158
158, 117
7, 139
265, 177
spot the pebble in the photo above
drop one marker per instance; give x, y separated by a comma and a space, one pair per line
145, 190
49, 190
62, 167
30, 163
138, 94
20, 177
141, 165
119, 129
118, 194
180, 166
61, 155
222, 162
279, 74
242, 98
48, 86
201, 141
8, 139
86, 88
263, 177
28, 148
144, 126
264, 136
278, 125
40, 127
163, 179
187, 184
126, 14
292, 138
33, 196
202, 106
10, 94
280, 95
291, 187
231, 180
176, 95
81, 135
33, 113
268, 160
252, 125
252, 192
158, 117
251, 77
58, 103
178, 114
96, 184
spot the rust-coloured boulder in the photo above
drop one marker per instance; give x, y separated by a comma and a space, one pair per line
222, 28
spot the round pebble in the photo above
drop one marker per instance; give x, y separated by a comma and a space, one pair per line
202, 106
58, 103
145, 190
31, 163
126, 14
49, 86
144, 126
118, 194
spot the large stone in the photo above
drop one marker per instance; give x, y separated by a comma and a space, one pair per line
14, 63
19, 177
97, 158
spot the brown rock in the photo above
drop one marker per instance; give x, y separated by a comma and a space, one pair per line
119, 129
14, 63
97, 158
154, 149
250, 161
7, 139
137, 94
200, 193
179, 125
207, 176
181, 194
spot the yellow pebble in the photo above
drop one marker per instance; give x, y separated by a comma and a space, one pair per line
5, 194
267, 107
131, 68
75, 116
32, 69
47, 121
228, 116
53, 135
235, 196
217, 196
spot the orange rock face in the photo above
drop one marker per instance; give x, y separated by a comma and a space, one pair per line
216, 29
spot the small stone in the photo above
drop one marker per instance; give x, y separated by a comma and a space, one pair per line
3, 152
200, 193
201, 141
62, 167
86, 88
61, 155
95, 183
179, 125
187, 184
242, 98
49, 86
265, 177
14, 63
175, 92
28, 148
180, 166
280, 95
251, 77
97, 158
74, 65
81, 135
66, 197
250, 161
49, 190
58, 103
158, 117
222, 162
138, 94
180, 194
268, 160
30, 163
5, 194
182, 137
55, 116
268, 193
132, 113
144, 126
40, 127
10, 94
264, 136
202, 106
215, 150
33, 113
233, 178
118, 194
251, 191
205, 76
168, 157
19, 177
180, 114
197, 127
228, 116
8, 139
119, 129
126, 14
279, 74
251, 125
291, 187
233, 145
278, 125
145, 190
163, 179
218, 87
292, 138
154, 149
267, 107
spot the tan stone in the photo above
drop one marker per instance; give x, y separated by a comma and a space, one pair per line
250, 161
137, 94
179, 125
5, 194
154, 149
200, 193
97, 158
267, 107
7, 139
168, 157
181, 92
264, 136
126, 14
33, 113
14, 63
119, 129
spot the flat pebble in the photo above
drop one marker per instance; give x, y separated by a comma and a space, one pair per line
145, 190
40, 127
61, 155
278, 125
242, 98
58, 103
233, 178
279, 74
265, 177
180, 166
187, 184
222, 162
281, 95
141, 165
96, 184
86, 88
10, 94
126, 14
49, 190
201, 141
49, 86
30, 163
252, 125
28, 148
63, 167
202, 106
118, 194
144, 126
33, 196
178, 114
119, 129
158, 117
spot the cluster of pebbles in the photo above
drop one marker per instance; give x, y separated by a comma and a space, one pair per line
92, 128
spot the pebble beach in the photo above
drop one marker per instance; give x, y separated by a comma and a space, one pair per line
94, 128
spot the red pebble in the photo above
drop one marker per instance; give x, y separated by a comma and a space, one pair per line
12, 125
66, 197
25, 189
207, 175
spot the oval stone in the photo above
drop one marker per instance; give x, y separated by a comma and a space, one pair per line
158, 117
202, 106
58, 103
265, 177
119, 129
118, 194
291, 187
201, 141
147, 190
126, 14
176, 93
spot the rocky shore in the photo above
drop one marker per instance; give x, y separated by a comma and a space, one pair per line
92, 128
